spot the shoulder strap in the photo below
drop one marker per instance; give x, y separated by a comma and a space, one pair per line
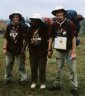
68, 25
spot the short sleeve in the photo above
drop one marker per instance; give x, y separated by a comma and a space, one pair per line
73, 29
6, 34
52, 31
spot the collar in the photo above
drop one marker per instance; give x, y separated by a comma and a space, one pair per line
60, 23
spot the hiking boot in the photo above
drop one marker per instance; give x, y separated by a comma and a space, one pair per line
54, 86
24, 82
74, 92
7, 82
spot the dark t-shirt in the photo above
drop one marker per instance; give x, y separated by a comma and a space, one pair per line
15, 35
38, 40
66, 29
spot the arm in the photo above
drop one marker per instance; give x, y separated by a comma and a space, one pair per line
73, 30
25, 41
73, 55
6, 36
50, 42
5, 46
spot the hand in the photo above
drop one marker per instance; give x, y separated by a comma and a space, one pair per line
22, 51
73, 55
5, 51
50, 54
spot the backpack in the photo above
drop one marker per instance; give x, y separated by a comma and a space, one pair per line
47, 20
72, 15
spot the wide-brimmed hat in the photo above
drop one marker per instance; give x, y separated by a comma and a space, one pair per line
57, 9
36, 17
15, 13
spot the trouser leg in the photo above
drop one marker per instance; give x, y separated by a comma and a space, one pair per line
73, 73
60, 63
9, 66
42, 69
21, 67
34, 68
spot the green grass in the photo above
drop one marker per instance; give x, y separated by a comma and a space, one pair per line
15, 89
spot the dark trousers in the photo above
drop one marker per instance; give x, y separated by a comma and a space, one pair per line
38, 65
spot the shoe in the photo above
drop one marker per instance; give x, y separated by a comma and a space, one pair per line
54, 86
43, 86
23, 83
33, 85
7, 82
74, 92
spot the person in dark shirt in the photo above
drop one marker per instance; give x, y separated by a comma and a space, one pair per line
13, 44
63, 34
37, 40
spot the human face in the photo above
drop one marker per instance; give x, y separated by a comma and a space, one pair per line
15, 19
60, 16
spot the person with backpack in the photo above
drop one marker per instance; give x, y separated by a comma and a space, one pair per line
64, 37
13, 44
37, 41
75, 18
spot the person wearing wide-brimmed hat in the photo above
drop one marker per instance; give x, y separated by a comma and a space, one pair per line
63, 34
58, 9
37, 40
13, 43
15, 13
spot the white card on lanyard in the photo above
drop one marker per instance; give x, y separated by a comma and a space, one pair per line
60, 43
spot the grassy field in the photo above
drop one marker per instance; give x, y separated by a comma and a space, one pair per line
15, 89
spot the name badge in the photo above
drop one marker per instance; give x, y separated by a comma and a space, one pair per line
60, 43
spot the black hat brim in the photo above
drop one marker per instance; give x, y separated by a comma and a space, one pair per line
11, 16
56, 11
